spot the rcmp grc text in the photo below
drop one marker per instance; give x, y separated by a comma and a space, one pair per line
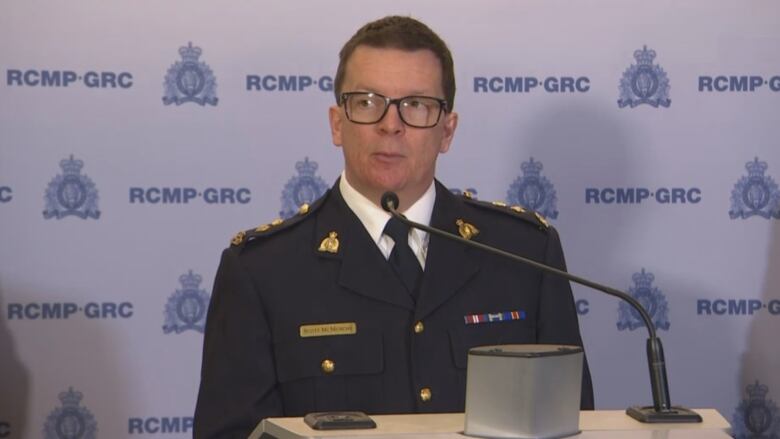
66, 310
183, 195
160, 425
736, 307
66, 78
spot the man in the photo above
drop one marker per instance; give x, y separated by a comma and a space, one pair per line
334, 309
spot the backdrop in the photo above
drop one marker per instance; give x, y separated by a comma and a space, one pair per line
137, 137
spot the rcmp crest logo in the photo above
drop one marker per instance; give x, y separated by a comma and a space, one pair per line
755, 194
306, 187
72, 420
190, 80
644, 83
186, 308
651, 298
756, 417
533, 190
71, 193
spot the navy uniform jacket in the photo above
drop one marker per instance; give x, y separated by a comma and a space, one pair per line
403, 357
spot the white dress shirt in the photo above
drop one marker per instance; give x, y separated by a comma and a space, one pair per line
374, 219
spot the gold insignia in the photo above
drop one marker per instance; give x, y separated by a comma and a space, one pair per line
239, 238
541, 219
304, 209
263, 228
330, 244
499, 203
328, 329
518, 209
466, 230
277, 222
468, 194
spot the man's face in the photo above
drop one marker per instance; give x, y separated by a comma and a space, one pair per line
390, 155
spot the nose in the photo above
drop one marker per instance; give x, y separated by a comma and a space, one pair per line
391, 123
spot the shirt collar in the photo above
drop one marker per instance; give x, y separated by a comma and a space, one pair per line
374, 217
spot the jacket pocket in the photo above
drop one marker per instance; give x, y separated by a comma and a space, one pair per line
328, 373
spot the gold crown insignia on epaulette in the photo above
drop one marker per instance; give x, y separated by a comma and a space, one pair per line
243, 236
515, 210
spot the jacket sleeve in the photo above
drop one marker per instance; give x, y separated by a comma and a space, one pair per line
238, 378
557, 321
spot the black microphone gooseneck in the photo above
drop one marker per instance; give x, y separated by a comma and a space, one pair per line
662, 409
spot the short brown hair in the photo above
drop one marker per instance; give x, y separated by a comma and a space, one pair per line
403, 33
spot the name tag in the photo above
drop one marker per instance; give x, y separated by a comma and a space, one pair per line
328, 329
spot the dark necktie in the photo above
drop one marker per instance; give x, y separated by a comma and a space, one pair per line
402, 258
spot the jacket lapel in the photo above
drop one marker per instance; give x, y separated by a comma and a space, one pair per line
363, 270
449, 265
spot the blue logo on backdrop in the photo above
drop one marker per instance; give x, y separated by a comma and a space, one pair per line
71, 421
183, 195
533, 190
644, 83
6, 195
472, 192
755, 194
190, 80
306, 187
651, 298
71, 193
186, 308
756, 417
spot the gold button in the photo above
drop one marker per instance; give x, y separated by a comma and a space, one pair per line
425, 394
419, 327
328, 366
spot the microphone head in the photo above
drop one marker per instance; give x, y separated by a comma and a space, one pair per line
389, 201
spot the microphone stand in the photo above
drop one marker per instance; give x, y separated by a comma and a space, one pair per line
662, 409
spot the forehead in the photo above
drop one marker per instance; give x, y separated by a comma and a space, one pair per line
393, 72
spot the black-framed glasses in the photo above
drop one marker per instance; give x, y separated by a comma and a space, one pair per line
416, 111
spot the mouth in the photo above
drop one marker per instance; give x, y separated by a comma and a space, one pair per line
387, 157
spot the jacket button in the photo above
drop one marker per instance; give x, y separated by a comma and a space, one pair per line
425, 394
419, 327
328, 366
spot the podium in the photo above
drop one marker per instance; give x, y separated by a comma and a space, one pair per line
600, 424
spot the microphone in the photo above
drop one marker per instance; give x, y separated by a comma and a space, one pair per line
662, 409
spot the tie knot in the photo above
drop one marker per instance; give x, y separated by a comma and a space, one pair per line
397, 230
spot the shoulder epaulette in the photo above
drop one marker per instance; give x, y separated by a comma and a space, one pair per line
520, 212
245, 236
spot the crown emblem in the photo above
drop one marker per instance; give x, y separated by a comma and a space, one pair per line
531, 168
643, 279
756, 168
71, 166
189, 53
757, 392
644, 57
644, 82
190, 280
71, 398
306, 168
534, 191
302, 189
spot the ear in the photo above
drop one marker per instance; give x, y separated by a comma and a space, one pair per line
336, 118
449, 124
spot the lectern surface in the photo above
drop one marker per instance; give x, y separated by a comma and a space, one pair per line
601, 424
